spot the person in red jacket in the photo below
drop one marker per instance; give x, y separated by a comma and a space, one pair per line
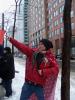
40, 64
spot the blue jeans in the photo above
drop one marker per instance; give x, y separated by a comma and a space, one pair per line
8, 87
29, 89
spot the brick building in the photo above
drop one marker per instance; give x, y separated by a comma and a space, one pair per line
55, 24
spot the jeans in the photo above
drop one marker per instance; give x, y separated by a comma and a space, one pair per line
29, 89
8, 87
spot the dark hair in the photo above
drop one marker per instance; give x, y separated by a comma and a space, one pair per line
37, 58
47, 43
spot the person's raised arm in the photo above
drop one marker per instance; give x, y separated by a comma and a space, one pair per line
23, 48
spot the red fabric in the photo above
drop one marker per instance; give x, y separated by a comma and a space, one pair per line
49, 88
51, 66
1, 36
49, 71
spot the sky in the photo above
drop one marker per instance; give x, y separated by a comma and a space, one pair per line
5, 5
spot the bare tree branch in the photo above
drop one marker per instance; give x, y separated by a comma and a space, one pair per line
16, 2
19, 5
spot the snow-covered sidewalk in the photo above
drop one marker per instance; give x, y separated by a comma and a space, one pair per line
19, 80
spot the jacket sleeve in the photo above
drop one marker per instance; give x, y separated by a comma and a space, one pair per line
20, 46
50, 69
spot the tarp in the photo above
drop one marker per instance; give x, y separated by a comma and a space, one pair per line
49, 89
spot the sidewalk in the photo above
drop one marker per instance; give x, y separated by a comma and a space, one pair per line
58, 85
72, 87
19, 80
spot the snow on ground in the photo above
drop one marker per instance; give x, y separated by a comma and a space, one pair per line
72, 87
19, 80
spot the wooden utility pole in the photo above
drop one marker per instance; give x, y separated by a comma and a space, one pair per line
2, 21
65, 78
46, 18
3, 25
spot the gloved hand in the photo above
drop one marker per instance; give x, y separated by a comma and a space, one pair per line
7, 37
0, 80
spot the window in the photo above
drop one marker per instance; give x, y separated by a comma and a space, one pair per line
73, 25
49, 19
73, 46
51, 16
39, 25
73, 42
50, 35
56, 13
61, 30
50, 27
55, 32
61, 20
58, 31
36, 33
26, 35
49, 11
25, 28
73, 50
55, 4
72, 13
56, 23
51, 8
61, 9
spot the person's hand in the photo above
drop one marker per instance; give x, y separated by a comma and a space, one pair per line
45, 60
43, 52
0, 80
40, 72
7, 37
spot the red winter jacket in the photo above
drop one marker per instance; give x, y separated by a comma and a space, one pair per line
31, 73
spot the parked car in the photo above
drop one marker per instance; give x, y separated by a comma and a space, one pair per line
73, 56
59, 56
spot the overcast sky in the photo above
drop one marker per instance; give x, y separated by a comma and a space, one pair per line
5, 5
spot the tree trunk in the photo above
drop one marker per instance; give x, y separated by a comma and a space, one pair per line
66, 51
